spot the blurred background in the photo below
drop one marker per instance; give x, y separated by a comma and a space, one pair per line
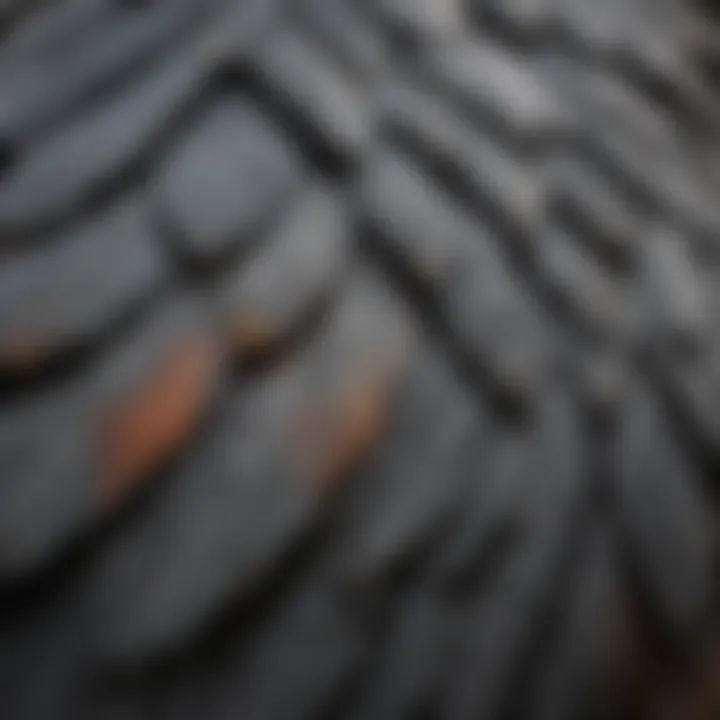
359, 359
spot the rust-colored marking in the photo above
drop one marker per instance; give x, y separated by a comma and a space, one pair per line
23, 357
335, 437
255, 337
150, 425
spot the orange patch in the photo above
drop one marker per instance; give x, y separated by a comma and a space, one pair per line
156, 420
22, 357
255, 337
334, 438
